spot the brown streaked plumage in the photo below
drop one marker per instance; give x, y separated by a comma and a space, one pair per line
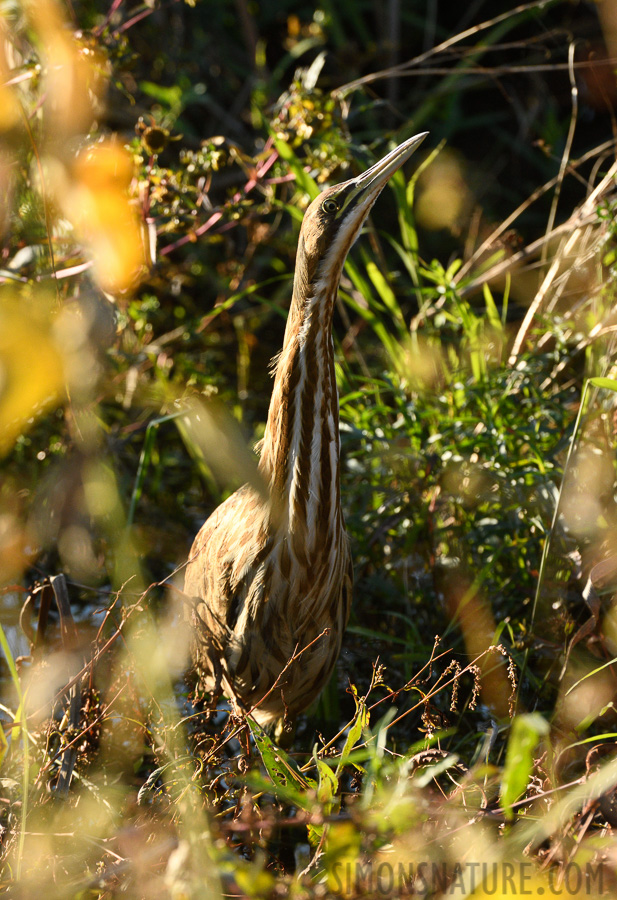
273, 576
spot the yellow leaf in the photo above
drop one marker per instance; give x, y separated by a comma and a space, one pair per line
9, 108
96, 199
341, 857
31, 371
73, 81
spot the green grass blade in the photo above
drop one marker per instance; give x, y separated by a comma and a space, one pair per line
303, 179
23, 728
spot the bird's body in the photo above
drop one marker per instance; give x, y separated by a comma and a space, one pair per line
272, 575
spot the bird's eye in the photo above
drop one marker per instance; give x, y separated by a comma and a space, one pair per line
330, 206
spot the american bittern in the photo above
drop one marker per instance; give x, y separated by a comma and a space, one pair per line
271, 577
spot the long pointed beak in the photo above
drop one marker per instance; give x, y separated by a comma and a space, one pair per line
371, 182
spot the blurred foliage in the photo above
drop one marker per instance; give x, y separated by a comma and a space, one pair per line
155, 162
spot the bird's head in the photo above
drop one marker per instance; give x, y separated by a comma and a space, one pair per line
333, 220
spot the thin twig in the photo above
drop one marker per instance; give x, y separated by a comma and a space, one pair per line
539, 192
566, 150
586, 215
69, 639
434, 51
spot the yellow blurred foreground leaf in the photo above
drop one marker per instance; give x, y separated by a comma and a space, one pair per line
31, 370
95, 195
74, 72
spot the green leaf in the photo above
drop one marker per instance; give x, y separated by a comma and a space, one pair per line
288, 780
360, 722
326, 795
453, 269
303, 179
386, 293
328, 783
608, 384
491, 309
526, 733
253, 880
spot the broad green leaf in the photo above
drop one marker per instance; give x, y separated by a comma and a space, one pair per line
328, 782
286, 776
254, 880
526, 733
608, 384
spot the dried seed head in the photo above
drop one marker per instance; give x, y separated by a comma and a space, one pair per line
454, 667
477, 685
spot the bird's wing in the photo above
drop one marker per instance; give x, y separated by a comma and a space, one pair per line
224, 552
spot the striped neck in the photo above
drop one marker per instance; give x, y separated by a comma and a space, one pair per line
300, 453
